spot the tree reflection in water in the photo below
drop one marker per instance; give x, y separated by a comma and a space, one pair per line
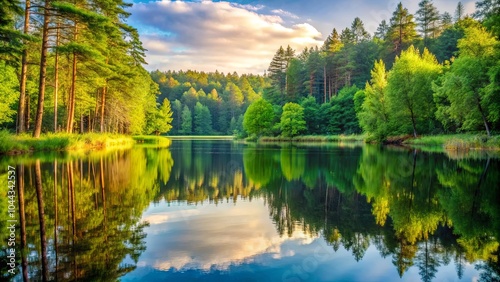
423, 210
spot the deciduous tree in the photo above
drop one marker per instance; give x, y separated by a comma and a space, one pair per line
292, 120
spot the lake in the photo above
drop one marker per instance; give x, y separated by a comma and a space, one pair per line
226, 211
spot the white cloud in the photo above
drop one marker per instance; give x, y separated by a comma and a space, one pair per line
216, 35
249, 7
284, 13
215, 237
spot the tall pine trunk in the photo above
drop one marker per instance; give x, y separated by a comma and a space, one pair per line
43, 70
21, 120
56, 76
22, 219
41, 218
324, 82
103, 103
56, 222
71, 111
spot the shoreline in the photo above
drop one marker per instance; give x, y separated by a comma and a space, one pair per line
458, 142
13, 145
24, 144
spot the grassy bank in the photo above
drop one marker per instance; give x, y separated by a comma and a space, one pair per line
314, 139
458, 142
156, 141
448, 142
202, 137
13, 144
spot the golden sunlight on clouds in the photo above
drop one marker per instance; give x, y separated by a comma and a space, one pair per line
217, 35
214, 237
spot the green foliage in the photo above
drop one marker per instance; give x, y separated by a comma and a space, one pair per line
292, 121
160, 120
9, 85
293, 165
374, 113
409, 91
278, 68
11, 44
458, 141
61, 142
295, 82
225, 95
234, 98
465, 92
202, 120
402, 30
428, 20
489, 12
311, 115
258, 118
445, 46
187, 121
343, 115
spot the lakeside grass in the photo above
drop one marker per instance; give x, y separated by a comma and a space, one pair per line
457, 142
312, 139
152, 140
18, 144
202, 137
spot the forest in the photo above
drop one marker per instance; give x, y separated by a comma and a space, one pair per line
78, 67
428, 73
74, 67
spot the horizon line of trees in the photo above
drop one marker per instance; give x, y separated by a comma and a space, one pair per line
206, 103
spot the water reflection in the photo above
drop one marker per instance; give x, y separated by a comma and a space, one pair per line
226, 211
80, 218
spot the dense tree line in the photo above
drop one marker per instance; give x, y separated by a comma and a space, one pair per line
208, 103
75, 66
426, 73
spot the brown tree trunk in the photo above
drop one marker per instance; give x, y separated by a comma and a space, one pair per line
43, 70
56, 222
27, 112
21, 120
485, 121
41, 218
324, 82
71, 192
22, 218
82, 129
103, 103
103, 190
71, 111
56, 77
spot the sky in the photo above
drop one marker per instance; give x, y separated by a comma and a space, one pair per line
243, 36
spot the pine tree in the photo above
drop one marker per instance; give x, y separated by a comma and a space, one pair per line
358, 31
459, 12
277, 70
382, 30
428, 20
234, 97
10, 39
202, 120
43, 69
402, 31
187, 121
446, 21
488, 11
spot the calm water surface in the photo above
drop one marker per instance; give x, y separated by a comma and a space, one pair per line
222, 211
